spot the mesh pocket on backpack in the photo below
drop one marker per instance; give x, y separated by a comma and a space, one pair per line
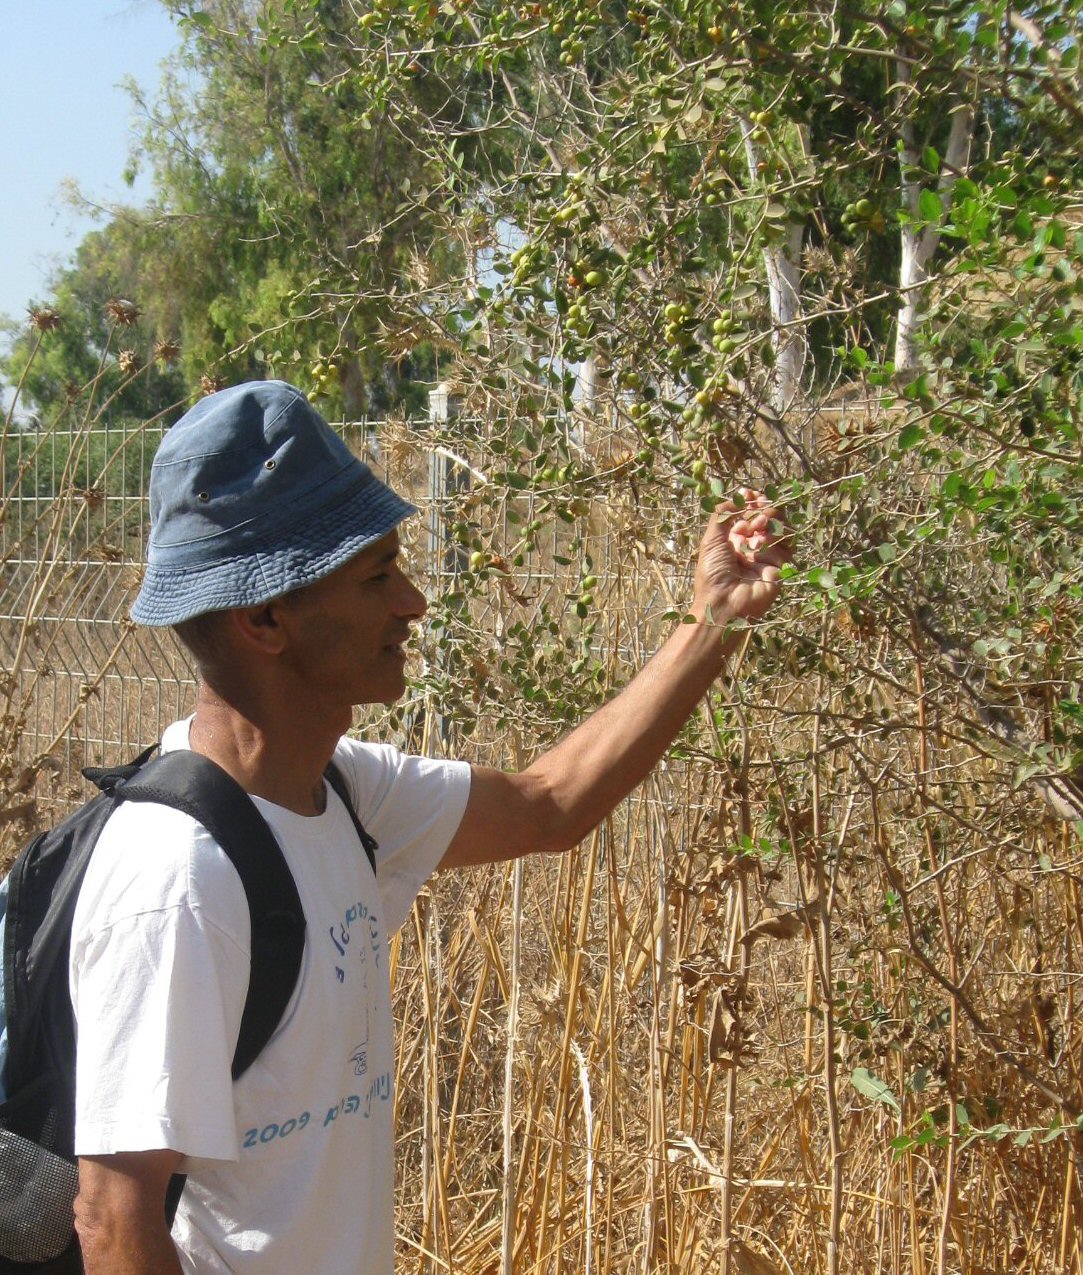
37, 1200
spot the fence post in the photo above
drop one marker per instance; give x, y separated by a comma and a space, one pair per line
447, 557
446, 479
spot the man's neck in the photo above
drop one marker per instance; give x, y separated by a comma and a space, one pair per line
275, 755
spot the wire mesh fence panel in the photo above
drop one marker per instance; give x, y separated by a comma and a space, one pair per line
82, 686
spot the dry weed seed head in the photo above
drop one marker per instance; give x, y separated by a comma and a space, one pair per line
130, 362
544, 1007
211, 383
124, 314
166, 352
44, 318
818, 260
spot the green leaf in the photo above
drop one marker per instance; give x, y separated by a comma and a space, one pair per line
952, 486
929, 205
919, 1080
910, 437
1023, 225
870, 1086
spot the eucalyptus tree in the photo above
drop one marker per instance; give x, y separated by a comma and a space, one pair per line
280, 201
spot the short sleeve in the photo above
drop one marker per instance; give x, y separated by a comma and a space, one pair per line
412, 806
159, 973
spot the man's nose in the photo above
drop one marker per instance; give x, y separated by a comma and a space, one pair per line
412, 603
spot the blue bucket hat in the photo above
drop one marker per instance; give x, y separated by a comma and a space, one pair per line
253, 494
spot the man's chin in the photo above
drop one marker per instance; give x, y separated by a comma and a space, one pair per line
387, 697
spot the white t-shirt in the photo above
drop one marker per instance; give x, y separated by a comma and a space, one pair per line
291, 1168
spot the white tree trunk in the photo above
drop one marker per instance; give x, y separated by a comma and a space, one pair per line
782, 262
588, 384
921, 238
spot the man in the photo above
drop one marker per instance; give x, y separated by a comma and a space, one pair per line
275, 554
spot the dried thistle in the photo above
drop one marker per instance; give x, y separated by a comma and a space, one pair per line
818, 260
130, 362
166, 352
211, 383
544, 1007
44, 318
123, 313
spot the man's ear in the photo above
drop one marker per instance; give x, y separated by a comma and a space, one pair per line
259, 628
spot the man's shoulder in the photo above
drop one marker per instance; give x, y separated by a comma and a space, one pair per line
387, 760
153, 858
367, 751
378, 774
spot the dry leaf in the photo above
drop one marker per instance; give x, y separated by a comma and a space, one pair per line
724, 1031
751, 1262
514, 594
21, 810
775, 924
701, 968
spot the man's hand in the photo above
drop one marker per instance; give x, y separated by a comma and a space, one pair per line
737, 575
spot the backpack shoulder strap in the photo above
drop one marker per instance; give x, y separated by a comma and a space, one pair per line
108, 777
192, 783
337, 780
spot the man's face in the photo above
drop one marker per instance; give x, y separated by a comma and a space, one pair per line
347, 631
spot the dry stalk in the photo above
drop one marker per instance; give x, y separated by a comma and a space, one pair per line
508, 1210
948, 1186
738, 959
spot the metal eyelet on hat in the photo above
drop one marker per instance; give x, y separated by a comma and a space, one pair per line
270, 464
203, 495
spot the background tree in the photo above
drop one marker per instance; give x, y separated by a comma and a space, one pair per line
99, 338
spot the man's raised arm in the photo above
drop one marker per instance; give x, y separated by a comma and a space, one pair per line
557, 800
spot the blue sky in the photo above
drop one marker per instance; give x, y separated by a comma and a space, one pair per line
64, 116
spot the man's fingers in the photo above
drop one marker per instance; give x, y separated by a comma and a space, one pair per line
728, 515
774, 556
753, 534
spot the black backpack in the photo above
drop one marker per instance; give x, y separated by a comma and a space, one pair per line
38, 1169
